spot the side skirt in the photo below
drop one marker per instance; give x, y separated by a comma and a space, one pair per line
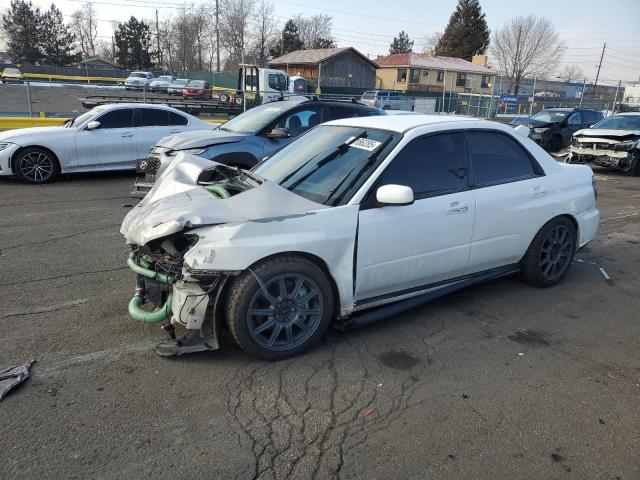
430, 293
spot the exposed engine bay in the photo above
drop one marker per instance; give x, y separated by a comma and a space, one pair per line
616, 149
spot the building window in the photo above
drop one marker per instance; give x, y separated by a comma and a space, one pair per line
402, 75
461, 80
485, 81
440, 76
415, 76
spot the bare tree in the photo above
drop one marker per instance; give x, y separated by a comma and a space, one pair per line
315, 32
235, 28
265, 28
527, 46
430, 43
571, 73
85, 27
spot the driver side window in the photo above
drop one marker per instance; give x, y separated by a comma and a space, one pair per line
574, 119
300, 121
121, 118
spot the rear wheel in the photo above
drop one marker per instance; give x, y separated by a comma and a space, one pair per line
36, 165
284, 313
550, 253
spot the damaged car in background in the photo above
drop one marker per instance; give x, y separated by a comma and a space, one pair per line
613, 142
356, 220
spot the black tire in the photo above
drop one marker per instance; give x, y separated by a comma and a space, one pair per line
386, 107
555, 144
635, 171
36, 165
272, 326
550, 254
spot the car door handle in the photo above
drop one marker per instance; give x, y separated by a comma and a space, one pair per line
455, 208
125, 135
538, 191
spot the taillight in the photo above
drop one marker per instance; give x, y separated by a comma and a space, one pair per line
595, 187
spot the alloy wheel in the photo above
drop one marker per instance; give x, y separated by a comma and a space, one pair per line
285, 312
37, 167
556, 251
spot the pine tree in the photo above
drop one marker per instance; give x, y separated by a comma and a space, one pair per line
466, 34
57, 40
22, 25
401, 44
289, 41
133, 41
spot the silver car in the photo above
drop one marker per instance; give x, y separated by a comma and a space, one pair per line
177, 86
389, 100
162, 83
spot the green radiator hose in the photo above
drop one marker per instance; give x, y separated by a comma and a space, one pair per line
149, 317
145, 272
219, 190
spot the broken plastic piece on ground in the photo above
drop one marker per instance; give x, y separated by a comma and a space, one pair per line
367, 411
606, 276
13, 376
192, 342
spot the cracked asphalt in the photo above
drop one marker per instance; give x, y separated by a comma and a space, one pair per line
501, 380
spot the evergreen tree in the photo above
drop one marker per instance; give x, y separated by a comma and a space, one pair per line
401, 44
466, 34
289, 41
57, 40
22, 25
133, 41
324, 43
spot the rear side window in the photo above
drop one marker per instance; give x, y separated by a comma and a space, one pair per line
588, 117
151, 117
177, 119
497, 158
121, 118
430, 165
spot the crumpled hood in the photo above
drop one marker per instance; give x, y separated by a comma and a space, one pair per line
14, 135
177, 202
604, 132
200, 138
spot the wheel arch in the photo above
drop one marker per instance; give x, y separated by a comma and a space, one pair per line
15, 154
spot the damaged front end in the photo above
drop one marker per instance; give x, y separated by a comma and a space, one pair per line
614, 151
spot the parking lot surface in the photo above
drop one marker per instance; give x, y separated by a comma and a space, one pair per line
501, 380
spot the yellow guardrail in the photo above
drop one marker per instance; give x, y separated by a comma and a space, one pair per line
10, 123
76, 78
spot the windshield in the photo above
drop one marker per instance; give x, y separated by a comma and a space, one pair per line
550, 116
620, 122
255, 119
328, 164
12, 71
196, 83
369, 95
164, 78
79, 120
138, 75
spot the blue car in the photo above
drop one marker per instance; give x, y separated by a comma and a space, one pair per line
246, 139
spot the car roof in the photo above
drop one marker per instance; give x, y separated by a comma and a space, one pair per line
626, 114
398, 123
139, 105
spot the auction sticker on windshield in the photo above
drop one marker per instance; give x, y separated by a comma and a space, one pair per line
365, 144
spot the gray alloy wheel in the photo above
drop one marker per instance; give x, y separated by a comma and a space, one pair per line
556, 252
286, 313
36, 165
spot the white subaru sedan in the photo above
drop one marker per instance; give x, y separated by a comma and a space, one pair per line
356, 220
108, 137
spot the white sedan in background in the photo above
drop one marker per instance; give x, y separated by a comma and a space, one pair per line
108, 137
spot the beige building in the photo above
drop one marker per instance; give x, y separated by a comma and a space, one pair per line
411, 72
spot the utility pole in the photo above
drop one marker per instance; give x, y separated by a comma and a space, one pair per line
158, 41
533, 95
599, 66
444, 88
584, 84
613, 109
217, 38
113, 51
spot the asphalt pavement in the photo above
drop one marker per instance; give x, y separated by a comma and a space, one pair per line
501, 380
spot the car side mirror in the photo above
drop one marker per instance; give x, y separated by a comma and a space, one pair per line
394, 195
93, 125
279, 133
523, 130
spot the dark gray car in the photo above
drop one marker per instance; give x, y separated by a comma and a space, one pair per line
246, 139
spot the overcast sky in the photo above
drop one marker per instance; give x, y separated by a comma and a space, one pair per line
369, 25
